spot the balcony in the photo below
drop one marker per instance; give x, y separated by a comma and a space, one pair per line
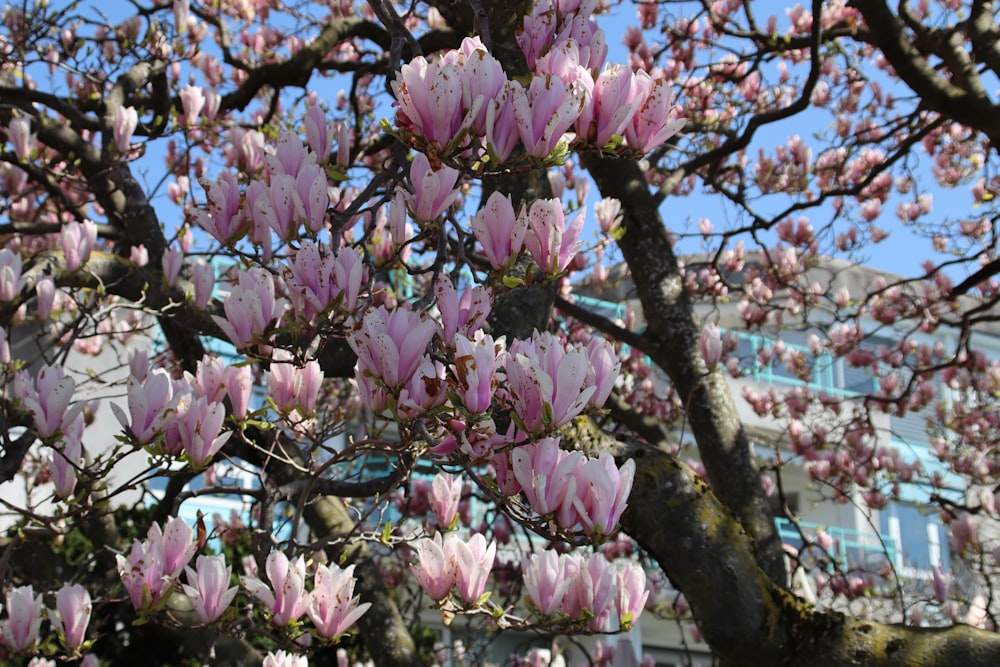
851, 550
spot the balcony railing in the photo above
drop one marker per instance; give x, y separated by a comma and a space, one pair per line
851, 548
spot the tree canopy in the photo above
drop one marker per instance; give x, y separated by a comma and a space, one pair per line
406, 280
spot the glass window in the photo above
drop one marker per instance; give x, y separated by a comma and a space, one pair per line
922, 540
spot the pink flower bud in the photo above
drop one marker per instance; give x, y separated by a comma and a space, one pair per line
204, 283
181, 10
192, 101
172, 261
139, 255
71, 615
446, 491
474, 561
67, 456
78, 241
711, 345
239, 386
10, 275
24, 619
126, 120
20, 136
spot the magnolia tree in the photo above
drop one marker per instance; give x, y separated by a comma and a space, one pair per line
339, 251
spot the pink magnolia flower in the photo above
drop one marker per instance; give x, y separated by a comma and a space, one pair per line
10, 275
344, 141
545, 112
224, 218
611, 107
604, 370
199, 430
67, 456
333, 607
563, 60
436, 569
20, 136
126, 120
139, 255
172, 262
319, 132
192, 101
204, 283
71, 615
537, 32
317, 279
445, 493
295, 387
311, 195
288, 156
602, 493
423, 391
579, 27
941, 582
547, 381
429, 95
288, 600
592, 592
465, 315
433, 190
239, 386
656, 120
49, 404
474, 561
282, 659
181, 10
24, 618
148, 404
251, 308
501, 135
176, 544
207, 587
475, 369
710, 342
499, 230
78, 240
149, 572
483, 81
548, 478
390, 345
45, 296
551, 243
547, 578
630, 592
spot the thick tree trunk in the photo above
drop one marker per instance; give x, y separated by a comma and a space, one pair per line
672, 342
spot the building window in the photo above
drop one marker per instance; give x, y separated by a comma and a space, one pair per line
921, 538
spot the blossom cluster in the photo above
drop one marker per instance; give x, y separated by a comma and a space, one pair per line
152, 570
464, 98
593, 589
